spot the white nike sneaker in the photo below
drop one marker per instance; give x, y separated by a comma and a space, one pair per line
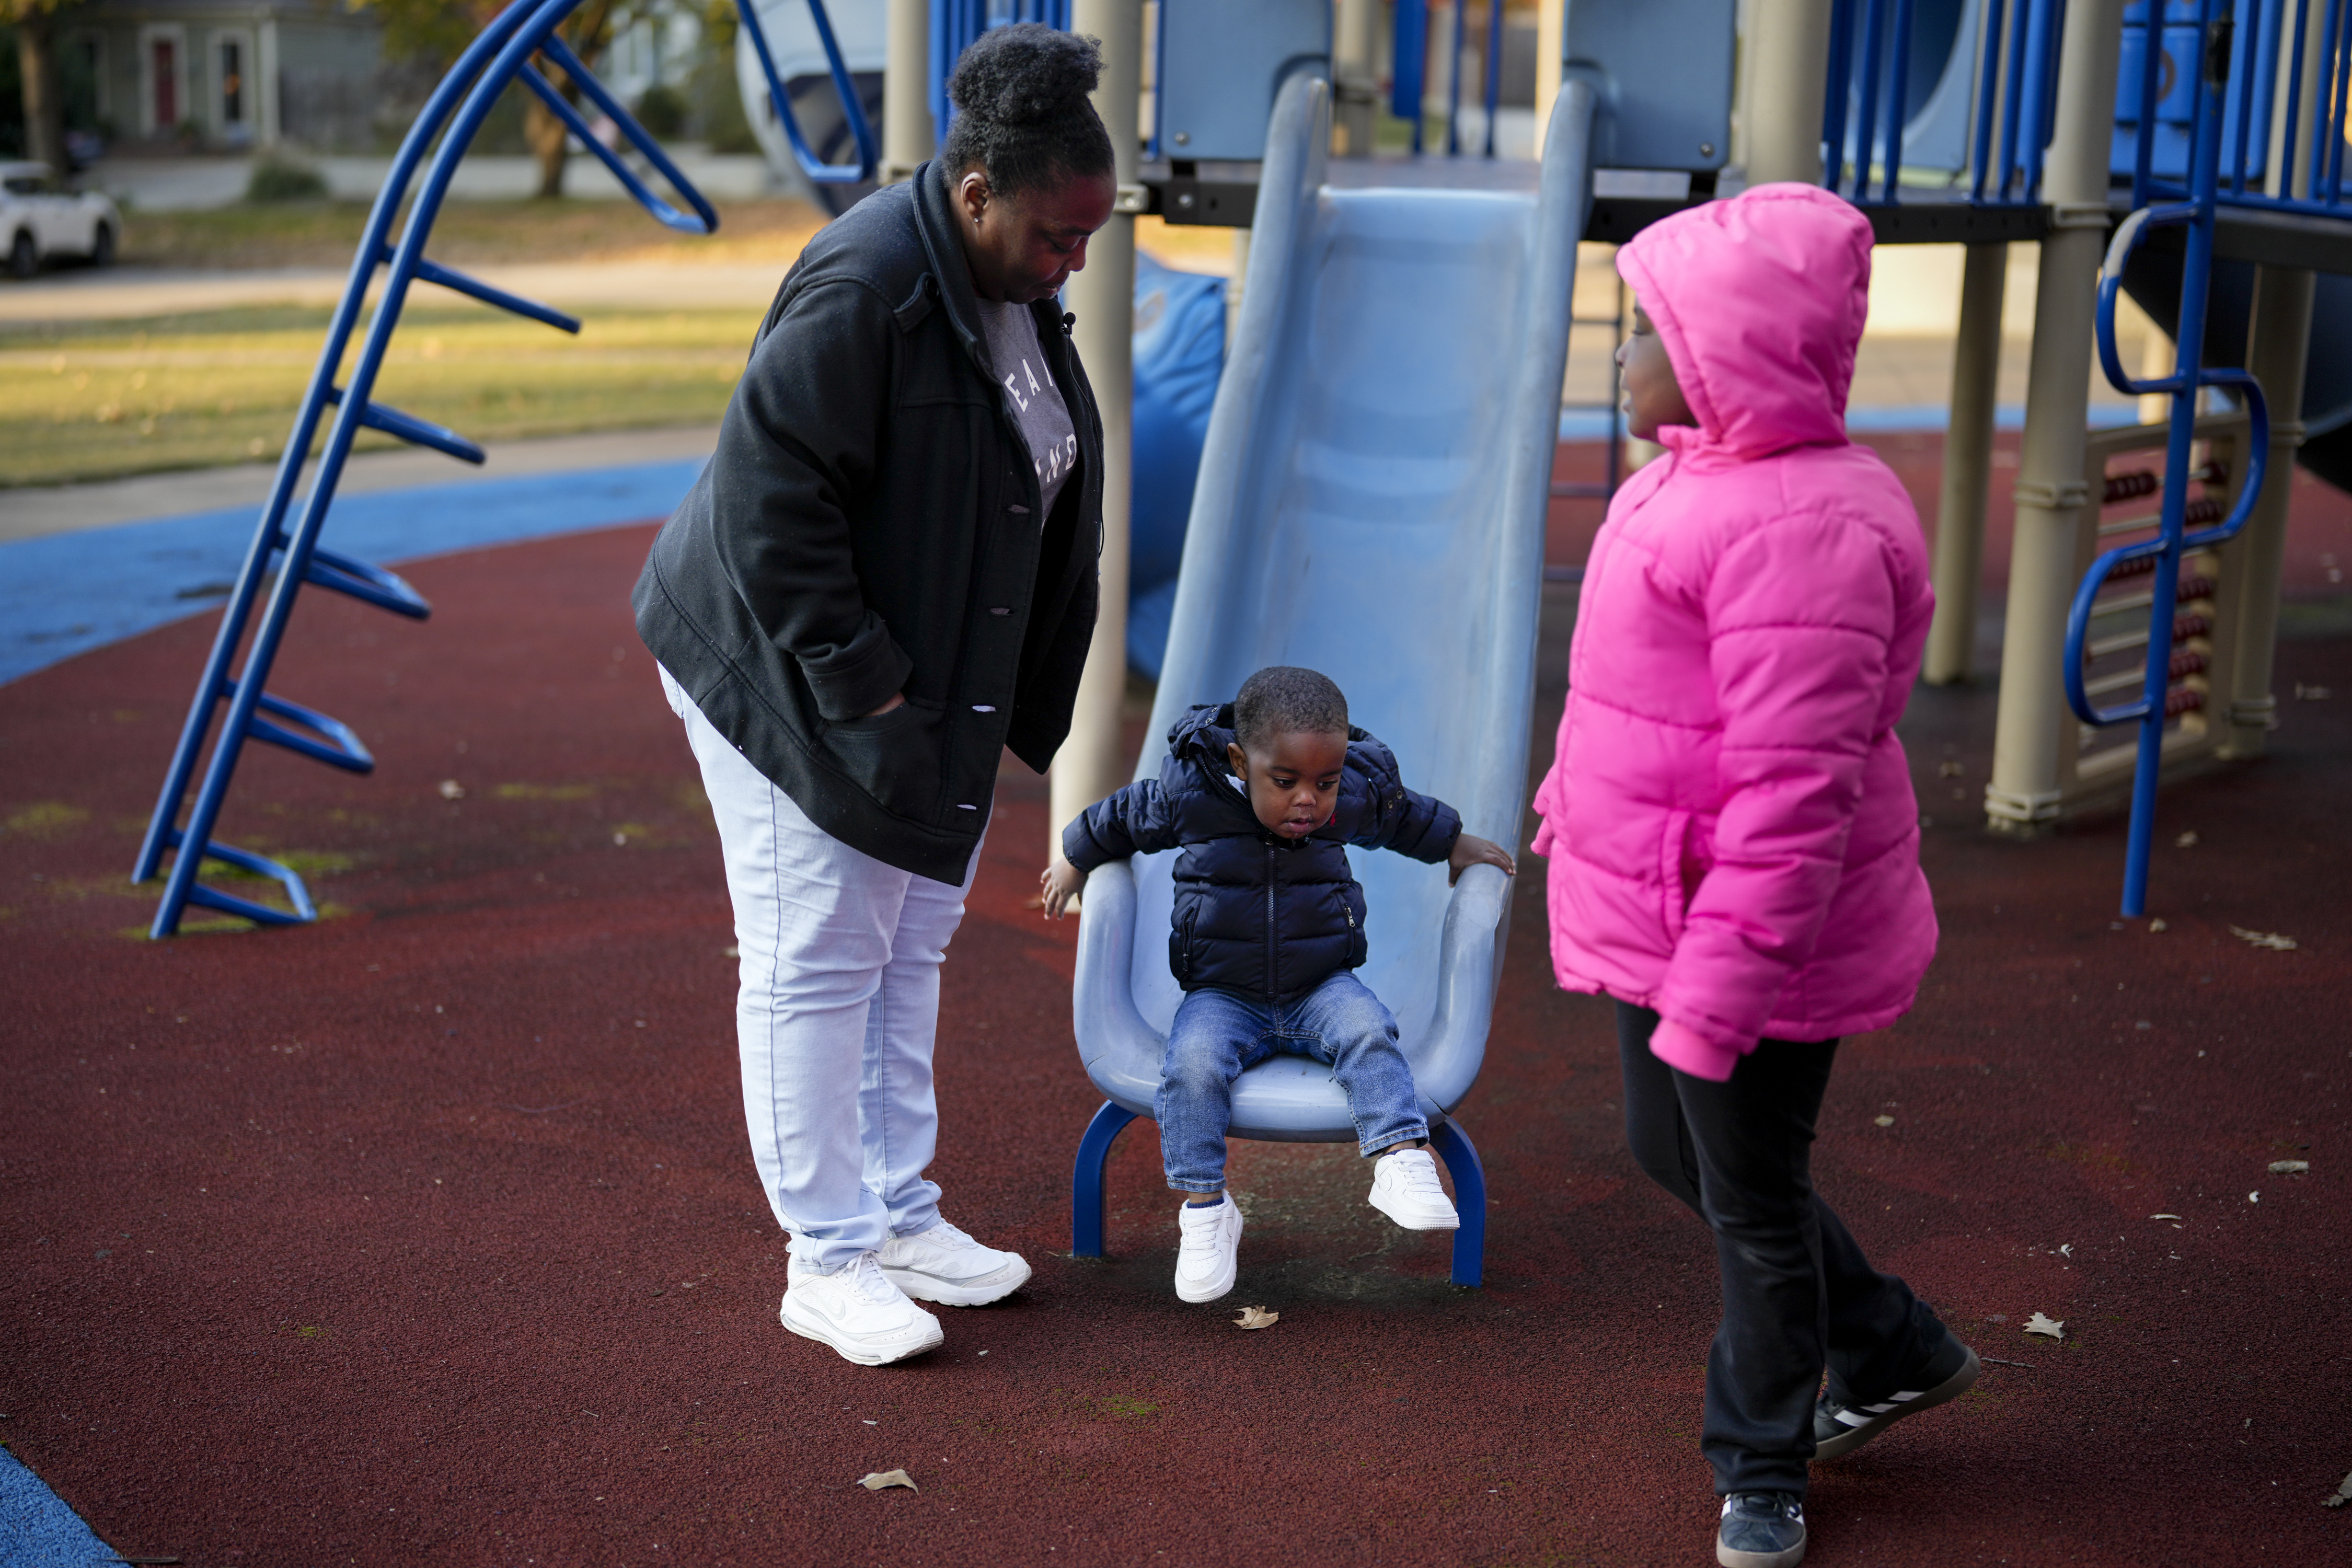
1208, 1256
857, 1310
1404, 1188
946, 1265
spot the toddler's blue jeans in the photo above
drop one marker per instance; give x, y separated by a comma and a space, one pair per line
1219, 1033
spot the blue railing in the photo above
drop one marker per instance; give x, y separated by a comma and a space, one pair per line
1409, 78
1866, 109
283, 557
2242, 44
2160, 558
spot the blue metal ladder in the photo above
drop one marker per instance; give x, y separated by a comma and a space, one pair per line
292, 555
2160, 557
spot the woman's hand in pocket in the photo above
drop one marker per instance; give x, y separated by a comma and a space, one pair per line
897, 700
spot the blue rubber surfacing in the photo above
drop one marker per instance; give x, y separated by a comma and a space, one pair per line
37, 1530
66, 594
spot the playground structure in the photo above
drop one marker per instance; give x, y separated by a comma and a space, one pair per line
1370, 501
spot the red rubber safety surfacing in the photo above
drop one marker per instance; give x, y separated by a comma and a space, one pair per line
428, 1234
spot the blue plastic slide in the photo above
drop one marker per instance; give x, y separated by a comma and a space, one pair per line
1370, 503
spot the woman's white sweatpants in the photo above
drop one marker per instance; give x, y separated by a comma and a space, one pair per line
837, 1013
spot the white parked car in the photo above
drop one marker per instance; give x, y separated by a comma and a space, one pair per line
40, 220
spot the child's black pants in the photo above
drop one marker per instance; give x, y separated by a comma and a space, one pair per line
1798, 1294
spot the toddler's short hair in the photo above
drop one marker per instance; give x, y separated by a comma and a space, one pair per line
1283, 698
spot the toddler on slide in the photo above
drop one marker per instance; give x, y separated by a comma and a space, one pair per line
1264, 795
1734, 843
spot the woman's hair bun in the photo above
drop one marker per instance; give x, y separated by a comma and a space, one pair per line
1026, 74
1024, 112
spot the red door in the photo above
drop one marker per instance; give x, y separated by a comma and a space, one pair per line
167, 86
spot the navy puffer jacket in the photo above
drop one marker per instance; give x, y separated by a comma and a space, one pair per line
1256, 913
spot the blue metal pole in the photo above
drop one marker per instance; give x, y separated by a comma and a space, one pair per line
2189, 336
1897, 92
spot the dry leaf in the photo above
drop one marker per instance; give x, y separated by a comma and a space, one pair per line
2289, 1167
2164, 1216
452, 790
2311, 694
1885, 1120
2054, 1327
2267, 939
1256, 1318
2187, 840
2340, 1495
2156, 924
880, 1478
1949, 771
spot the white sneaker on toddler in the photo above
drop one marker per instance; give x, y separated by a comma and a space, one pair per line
1208, 1254
857, 1310
946, 1265
1406, 1188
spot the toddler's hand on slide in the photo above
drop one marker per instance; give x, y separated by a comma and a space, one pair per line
1469, 850
1059, 882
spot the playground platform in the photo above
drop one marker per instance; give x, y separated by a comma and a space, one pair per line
428, 1234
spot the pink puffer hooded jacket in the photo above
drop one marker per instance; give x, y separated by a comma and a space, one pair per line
1729, 820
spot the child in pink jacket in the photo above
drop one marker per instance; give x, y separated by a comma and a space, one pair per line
1732, 835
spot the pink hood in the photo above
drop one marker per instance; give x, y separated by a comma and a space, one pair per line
1728, 817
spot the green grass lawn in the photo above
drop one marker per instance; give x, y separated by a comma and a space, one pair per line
326, 234
105, 399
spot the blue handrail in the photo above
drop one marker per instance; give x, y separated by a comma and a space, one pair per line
444, 129
2189, 377
853, 109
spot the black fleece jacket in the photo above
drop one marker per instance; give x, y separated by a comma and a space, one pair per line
1256, 913
868, 525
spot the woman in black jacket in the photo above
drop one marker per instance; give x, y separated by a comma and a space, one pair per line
885, 576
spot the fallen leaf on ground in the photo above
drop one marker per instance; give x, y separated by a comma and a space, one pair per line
2266, 938
2187, 840
2311, 694
1256, 1318
452, 790
2157, 924
2289, 1167
2340, 1495
1886, 1122
2164, 1216
880, 1478
2039, 1324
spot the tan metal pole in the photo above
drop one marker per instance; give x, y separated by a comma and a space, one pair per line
1093, 761
1968, 465
1787, 46
1551, 34
2278, 347
907, 136
1356, 74
2279, 342
2033, 721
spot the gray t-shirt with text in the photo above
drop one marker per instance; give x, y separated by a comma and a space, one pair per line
1038, 409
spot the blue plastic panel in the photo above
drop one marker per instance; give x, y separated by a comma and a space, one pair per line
1222, 64
1663, 71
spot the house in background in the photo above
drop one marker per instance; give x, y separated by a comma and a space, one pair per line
222, 77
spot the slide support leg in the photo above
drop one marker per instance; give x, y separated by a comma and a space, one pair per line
1454, 1147
1086, 1179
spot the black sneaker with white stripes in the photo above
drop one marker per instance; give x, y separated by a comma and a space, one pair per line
1840, 1428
